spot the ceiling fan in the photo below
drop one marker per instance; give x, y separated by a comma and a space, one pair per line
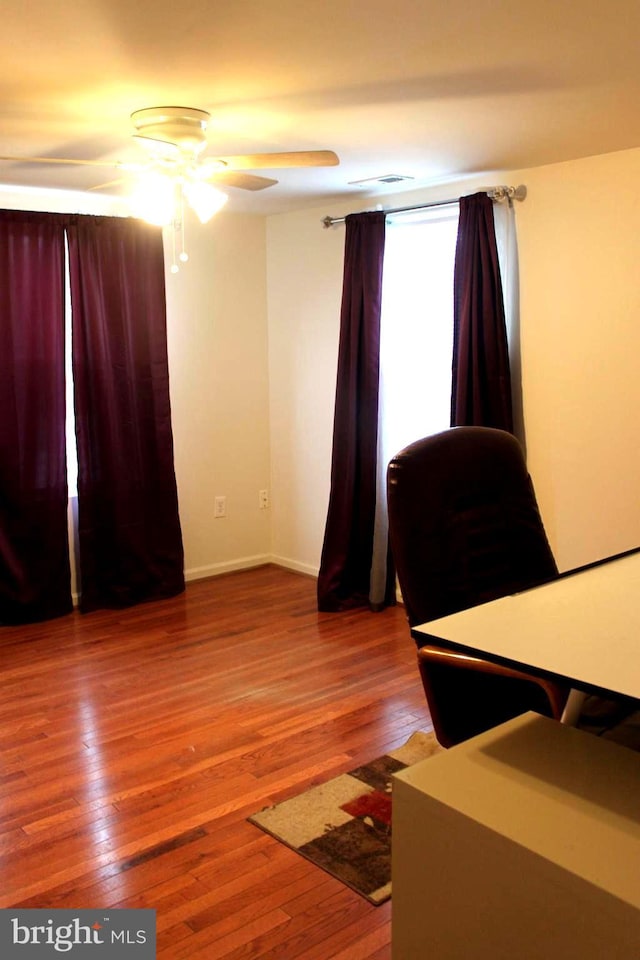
176, 171
175, 138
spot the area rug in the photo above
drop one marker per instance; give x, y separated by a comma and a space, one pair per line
344, 825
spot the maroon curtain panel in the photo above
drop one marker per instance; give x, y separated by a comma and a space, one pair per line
345, 566
481, 381
130, 541
35, 579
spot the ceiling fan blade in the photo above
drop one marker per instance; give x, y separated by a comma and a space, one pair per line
272, 161
88, 163
245, 181
109, 183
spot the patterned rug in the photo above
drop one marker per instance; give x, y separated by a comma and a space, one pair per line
344, 826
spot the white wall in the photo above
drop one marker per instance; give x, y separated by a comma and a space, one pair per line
304, 290
580, 305
580, 298
217, 339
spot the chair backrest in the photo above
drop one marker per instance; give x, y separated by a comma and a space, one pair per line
464, 523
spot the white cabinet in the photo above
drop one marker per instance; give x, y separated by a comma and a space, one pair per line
521, 844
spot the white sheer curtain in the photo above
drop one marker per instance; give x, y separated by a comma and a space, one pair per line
506, 239
416, 341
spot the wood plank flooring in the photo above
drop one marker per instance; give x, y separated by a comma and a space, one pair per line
134, 744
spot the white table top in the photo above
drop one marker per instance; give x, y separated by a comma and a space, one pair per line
583, 628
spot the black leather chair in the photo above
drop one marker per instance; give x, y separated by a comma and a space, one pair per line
465, 528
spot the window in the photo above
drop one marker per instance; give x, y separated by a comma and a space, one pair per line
416, 337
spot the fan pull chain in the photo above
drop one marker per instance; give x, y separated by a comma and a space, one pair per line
184, 256
178, 226
174, 265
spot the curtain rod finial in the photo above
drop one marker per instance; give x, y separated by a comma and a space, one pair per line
508, 193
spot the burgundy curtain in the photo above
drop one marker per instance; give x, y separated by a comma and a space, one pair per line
129, 529
35, 579
481, 383
345, 566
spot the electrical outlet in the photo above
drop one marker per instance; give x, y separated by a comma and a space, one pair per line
220, 507
263, 499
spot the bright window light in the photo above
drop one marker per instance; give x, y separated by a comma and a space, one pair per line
417, 327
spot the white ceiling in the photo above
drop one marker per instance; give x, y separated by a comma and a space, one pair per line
431, 89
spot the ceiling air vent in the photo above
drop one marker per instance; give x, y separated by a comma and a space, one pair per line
387, 178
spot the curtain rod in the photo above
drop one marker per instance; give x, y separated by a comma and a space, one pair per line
495, 193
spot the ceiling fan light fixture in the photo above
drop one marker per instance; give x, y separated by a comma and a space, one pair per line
206, 168
154, 199
204, 200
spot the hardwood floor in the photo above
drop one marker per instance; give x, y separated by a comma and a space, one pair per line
135, 743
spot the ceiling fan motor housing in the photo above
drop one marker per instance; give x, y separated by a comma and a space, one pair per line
183, 126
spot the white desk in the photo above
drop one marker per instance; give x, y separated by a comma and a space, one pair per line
583, 628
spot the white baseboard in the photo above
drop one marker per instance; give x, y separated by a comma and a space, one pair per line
246, 563
295, 565
241, 563
215, 569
